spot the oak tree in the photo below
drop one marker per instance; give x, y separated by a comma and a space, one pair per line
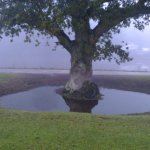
56, 17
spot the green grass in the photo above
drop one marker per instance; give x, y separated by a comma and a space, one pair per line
6, 77
72, 131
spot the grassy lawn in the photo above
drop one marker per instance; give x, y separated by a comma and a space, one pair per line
72, 131
6, 77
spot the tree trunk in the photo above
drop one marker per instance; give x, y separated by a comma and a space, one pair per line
80, 85
81, 71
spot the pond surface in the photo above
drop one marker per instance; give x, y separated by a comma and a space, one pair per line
46, 99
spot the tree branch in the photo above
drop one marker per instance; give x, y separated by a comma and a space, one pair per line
64, 40
141, 2
115, 16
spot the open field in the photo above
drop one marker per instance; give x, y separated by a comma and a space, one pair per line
72, 131
11, 83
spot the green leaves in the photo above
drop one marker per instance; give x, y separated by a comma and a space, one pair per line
52, 17
105, 49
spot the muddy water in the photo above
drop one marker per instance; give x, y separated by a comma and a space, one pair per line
46, 99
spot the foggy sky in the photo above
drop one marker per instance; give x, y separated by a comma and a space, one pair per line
26, 55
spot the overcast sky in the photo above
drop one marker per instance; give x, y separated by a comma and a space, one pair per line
20, 54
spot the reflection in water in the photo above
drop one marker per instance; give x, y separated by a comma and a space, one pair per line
75, 105
46, 99
79, 105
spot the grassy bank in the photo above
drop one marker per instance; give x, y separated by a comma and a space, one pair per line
72, 131
6, 77
12, 83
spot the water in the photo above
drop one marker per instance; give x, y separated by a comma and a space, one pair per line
46, 99
66, 71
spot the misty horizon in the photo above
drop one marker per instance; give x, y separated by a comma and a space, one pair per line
26, 55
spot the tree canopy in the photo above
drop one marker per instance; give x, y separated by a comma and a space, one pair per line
53, 17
